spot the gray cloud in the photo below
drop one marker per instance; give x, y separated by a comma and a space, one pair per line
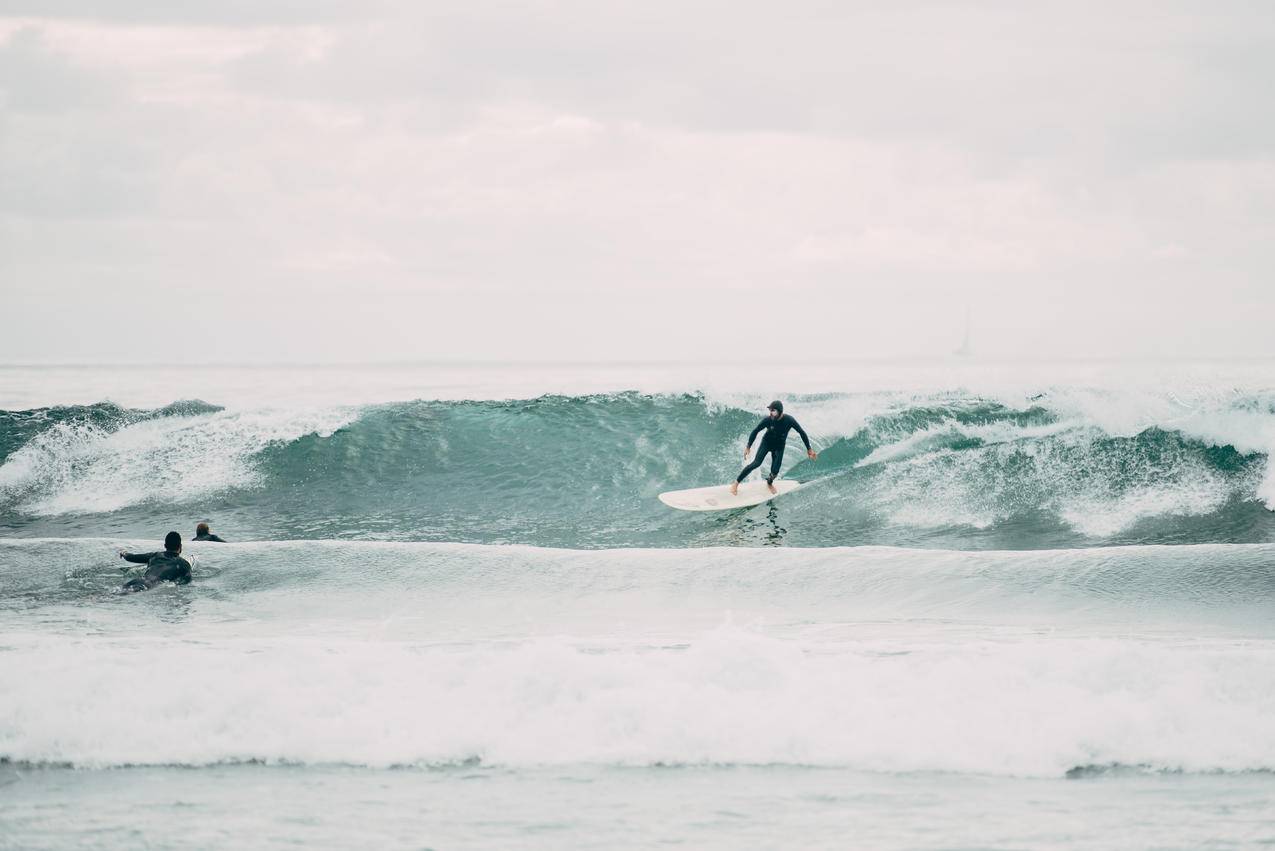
567, 178
35, 79
227, 13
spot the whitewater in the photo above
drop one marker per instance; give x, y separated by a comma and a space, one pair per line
1015, 605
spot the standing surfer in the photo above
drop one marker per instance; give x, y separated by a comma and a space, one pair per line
776, 424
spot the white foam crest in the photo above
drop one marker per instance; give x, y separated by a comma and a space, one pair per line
824, 419
1100, 517
983, 486
1246, 430
1087, 499
935, 436
1033, 707
1214, 414
78, 468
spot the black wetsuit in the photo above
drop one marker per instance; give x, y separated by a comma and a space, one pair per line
163, 566
773, 441
209, 537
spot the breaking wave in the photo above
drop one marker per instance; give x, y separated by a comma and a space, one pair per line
950, 470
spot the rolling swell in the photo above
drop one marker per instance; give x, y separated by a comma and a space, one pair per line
360, 582
942, 471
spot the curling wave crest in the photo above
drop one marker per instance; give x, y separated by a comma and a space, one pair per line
1061, 468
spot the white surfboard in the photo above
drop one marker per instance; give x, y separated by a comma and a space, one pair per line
719, 498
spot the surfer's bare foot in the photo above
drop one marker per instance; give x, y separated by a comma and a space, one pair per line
734, 488
771, 485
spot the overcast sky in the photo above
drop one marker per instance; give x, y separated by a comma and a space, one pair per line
254, 181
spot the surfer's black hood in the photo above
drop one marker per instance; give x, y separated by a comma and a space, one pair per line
777, 406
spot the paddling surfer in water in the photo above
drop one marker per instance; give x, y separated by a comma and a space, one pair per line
161, 566
776, 424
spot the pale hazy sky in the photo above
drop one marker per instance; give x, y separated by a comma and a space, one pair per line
248, 181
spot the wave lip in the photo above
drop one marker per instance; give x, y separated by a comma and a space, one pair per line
180, 453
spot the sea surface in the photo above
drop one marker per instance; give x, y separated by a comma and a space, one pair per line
1015, 605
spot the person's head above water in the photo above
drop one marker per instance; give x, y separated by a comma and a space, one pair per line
776, 408
173, 542
201, 528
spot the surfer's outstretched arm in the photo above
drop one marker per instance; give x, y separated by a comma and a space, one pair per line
137, 558
801, 431
749, 445
804, 438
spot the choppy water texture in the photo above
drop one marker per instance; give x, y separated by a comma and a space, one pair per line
1027, 613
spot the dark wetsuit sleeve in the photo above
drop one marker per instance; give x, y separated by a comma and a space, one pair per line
761, 425
217, 539
801, 431
139, 558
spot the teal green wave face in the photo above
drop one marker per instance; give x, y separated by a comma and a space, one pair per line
947, 471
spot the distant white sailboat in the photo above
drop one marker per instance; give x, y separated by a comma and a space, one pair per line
965, 351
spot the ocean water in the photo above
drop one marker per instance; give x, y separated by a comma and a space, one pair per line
1015, 605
